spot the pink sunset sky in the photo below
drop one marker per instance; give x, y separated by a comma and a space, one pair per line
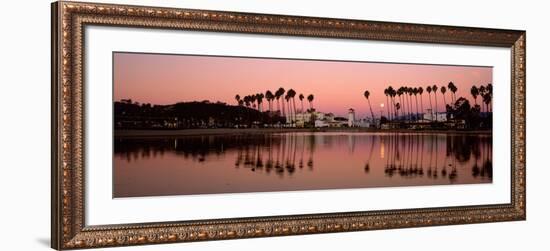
337, 86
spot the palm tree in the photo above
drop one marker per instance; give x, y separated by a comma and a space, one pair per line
399, 95
392, 93
253, 100
410, 92
482, 91
429, 90
238, 98
291, 93
386, 92
407, 103
415, 92
367, 94
397, 107
453, 89
475, 92
443, 90
260, 99
278, 94
310, 98
246, 101
289, 111
301, 97
434, 89
269, 97
487, 100
489, 89
420, 91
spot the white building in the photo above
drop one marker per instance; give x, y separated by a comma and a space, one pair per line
439, 116
351, 117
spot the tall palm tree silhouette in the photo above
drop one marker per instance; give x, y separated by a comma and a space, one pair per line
407, 103
429, 90
269, 97
310, 98
253, 100
489, 89
475, 92
260, 100
292, 94
415, 92
367, 94
392, 93
482, 91
400, 96
386, 92
301, 97
443, 91
288, 105
238, 98
397, 107
420, 91
280, 92
278, 95
487, 100
410, 92
434, 89
452, 87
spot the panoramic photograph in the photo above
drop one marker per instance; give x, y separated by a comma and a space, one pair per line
201, 124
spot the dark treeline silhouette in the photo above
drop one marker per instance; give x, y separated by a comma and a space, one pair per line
404, 107
406, 155
188, 115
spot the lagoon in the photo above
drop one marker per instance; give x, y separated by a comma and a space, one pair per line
297, 160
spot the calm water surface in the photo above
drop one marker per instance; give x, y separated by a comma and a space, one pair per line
297, 161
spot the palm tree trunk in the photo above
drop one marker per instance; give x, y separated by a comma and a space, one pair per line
421, 107
410, 108
416, 98
435, 98
294, 104
388, 107
371, 113
431, 108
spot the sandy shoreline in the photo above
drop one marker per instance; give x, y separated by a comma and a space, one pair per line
224, 131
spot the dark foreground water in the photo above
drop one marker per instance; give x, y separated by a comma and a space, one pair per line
297, 161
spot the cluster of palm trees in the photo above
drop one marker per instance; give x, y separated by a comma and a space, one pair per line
284, 99
402, 103
486, 94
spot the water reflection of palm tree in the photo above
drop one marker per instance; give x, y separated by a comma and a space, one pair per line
311, 147
367, 165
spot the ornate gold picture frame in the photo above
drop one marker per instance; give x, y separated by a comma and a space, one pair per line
69, 230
